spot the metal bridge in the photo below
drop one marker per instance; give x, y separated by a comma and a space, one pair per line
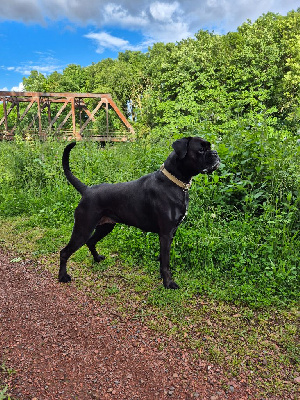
72, 105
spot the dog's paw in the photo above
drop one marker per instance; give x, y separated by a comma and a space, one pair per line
64, 278
171, 285
99, 258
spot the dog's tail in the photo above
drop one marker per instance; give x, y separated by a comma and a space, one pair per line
81, 187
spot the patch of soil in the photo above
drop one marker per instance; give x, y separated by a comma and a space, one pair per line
65, 346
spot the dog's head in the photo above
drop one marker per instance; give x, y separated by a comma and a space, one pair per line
196, 155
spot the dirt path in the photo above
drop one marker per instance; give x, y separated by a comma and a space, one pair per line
65, 346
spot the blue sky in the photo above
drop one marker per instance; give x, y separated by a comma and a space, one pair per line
47, 35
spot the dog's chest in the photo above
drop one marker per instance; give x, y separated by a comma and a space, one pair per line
185, 203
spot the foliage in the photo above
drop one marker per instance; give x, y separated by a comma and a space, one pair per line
239, 242
5, 375
207, 83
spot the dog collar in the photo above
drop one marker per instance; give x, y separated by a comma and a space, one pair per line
184, 186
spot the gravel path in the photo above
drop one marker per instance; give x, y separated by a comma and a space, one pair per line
65, 346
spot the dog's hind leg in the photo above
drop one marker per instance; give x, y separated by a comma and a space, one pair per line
100, 232
80, 235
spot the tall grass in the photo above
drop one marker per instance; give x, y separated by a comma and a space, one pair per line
239, 242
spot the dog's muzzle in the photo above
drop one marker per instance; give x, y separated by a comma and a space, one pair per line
214, 163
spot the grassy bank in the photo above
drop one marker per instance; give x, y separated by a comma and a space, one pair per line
235, 257
239, 242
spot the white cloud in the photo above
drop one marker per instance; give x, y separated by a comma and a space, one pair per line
19, 88
156, 20
106, 41
20, 10
45, 64
102, 13
115, 14
159, 21
26, 68
163, 12
227, 15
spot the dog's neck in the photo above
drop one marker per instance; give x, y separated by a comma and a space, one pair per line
172, 165
183, 185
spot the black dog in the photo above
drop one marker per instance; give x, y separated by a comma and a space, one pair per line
156, 202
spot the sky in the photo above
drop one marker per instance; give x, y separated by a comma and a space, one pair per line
48, 35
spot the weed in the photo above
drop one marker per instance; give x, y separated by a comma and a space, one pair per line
4, 395
5, 374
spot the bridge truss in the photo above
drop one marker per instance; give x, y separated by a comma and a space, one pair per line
67, 105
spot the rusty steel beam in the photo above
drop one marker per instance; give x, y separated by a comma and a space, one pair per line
36, 116
4, 93
76, 101
38, 101
121, 116
23, 115
76, 134
64, 121
5, 115
27, 99
106, 110
88, 113
92, 114
7, 111
58, 113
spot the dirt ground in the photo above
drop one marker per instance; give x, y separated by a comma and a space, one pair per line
63, 345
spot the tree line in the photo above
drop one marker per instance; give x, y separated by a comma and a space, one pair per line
211, 81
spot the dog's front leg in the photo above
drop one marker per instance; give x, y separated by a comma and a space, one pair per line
165, 246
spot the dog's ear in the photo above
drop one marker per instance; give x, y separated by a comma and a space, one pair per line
180, 147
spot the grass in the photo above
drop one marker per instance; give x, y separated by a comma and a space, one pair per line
6, 375
237, 266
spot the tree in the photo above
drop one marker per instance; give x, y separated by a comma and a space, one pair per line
208, 82
289, 29
53, 83
74, 79
36, 82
